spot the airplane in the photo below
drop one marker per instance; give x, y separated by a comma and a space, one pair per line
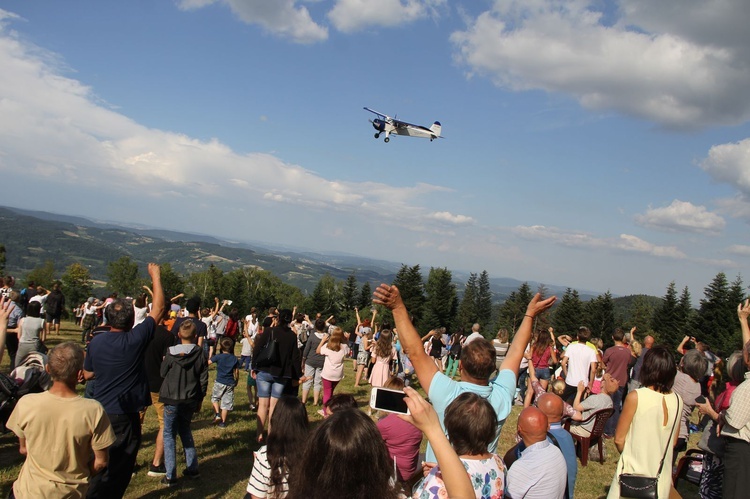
385, 124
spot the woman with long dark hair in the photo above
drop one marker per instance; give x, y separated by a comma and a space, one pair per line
274, 461
283, 368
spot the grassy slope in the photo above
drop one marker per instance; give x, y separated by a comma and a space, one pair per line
225, 456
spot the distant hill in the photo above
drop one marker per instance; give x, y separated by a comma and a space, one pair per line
33, 237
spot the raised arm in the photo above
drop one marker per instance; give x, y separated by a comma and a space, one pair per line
424, 366
681, 346
515, 352
356, 313
157, 307
743, 311
148, 290
423, 416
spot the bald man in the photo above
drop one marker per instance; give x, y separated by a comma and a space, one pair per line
541, 471
552, 407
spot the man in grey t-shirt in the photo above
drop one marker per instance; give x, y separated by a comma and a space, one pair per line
591, 404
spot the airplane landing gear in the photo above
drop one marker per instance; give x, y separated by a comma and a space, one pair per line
377, 135
387, 139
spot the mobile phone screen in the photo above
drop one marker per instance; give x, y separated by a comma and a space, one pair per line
387, 400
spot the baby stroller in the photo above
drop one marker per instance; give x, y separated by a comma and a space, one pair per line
30, 376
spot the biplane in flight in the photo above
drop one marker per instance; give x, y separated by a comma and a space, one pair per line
384, 124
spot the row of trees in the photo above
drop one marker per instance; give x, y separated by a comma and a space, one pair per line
435, 302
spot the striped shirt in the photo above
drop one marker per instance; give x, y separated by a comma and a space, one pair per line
259, 484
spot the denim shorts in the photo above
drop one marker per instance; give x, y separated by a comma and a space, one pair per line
270, 386
542, 373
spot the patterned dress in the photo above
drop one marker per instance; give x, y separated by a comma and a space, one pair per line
487, 476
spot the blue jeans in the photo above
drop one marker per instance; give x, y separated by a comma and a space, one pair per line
270, 386
177, 421
611, 425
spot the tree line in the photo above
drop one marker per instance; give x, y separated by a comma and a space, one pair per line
434, 301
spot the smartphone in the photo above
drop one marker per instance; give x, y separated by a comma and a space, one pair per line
383, 399
700, 399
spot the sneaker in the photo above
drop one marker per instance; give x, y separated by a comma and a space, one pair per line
222, 425
191, 473
168, 482
217, 417
253, 407
157, 470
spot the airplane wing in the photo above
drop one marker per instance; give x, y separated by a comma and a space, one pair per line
384, 116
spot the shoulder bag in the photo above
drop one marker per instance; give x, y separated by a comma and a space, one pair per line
644, 486
269, 355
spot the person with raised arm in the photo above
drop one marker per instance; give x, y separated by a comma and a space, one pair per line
116, 358
476, 364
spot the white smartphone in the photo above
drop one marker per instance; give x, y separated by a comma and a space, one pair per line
383, 399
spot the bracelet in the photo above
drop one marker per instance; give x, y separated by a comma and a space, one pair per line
529, 316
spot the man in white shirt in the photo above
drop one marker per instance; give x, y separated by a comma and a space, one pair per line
579, 364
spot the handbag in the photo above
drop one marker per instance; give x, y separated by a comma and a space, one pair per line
710, 442
644, 486
269, 355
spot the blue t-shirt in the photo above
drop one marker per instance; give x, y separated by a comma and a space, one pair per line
116, 359
568, 449
226, 363
499, 393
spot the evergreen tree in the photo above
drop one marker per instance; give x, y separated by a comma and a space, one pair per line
686, 317
409, 282
484, 302
207, 284
513, 309
641, 315
326, 298
665, 322
568, 315
365, 296
76, 284
542, 321
349, 295
441, 305
467, 310
600, 317
717, 317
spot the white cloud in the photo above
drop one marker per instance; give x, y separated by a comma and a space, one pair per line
739, 249
281, 17
682, 216
651, 70
730, 163
86, 144
446, 216
352, 15
577, 239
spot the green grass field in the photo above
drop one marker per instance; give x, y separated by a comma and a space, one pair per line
225, 456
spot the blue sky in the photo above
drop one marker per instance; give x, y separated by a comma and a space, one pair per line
595, 144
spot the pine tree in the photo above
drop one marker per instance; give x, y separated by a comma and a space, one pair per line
441, 304
716, 317
641, 315
568, 315
325, 298
365, 296
467, 310
665, 322
349, 292
513, 309
409, 283
484, 302
686, 316
600, 317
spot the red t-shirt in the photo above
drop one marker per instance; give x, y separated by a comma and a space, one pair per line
541, 361
616, 359
403, 440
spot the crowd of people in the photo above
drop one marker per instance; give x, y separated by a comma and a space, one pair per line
149, 350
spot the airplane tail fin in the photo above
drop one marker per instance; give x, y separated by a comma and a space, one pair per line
435, 128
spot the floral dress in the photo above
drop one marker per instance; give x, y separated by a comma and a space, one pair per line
487, 476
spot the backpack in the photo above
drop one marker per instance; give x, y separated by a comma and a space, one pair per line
29, 377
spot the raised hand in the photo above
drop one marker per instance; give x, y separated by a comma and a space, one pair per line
537, 305
388, 296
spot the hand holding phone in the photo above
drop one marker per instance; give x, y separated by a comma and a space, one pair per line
700, 399
383, 399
